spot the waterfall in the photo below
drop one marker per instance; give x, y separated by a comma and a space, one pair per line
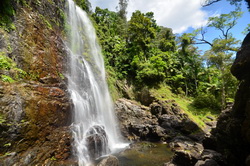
94, 125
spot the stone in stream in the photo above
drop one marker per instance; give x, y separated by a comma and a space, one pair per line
97, 142
109, 161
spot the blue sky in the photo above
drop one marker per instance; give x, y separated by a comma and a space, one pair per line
180, 15
225, 7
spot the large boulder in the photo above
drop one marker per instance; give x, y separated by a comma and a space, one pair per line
97, 142
136, 121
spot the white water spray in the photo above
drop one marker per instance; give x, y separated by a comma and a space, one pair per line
94, 126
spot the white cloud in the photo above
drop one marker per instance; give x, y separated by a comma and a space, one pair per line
176, 14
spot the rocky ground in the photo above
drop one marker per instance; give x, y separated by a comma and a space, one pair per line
164, 121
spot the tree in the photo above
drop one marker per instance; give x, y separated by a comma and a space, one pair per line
123, 4
210, 2
222, 48
141, 32
190, 64
84, 4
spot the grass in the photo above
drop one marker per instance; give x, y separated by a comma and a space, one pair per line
195, 114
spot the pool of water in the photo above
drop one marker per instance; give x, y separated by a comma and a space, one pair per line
145, 154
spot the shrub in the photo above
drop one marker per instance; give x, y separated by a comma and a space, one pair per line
206, 101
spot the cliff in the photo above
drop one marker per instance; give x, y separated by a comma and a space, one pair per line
35, 108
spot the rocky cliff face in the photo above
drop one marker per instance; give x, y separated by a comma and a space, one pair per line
232, 135
35, 108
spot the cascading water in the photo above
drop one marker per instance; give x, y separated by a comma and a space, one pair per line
94, 126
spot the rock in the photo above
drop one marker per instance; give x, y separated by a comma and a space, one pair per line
231, 137
97, 142
156, 109
161, 121
241, 64
247, 162
212, 156
35, 110
187, 152
183, 158
145, 97
207, 162
210, 118
109, 161
169, 164
189, 127
136, 121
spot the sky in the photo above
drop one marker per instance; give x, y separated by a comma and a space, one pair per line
181, 15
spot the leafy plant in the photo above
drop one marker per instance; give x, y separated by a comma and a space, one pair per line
206, 101
5, 62
6, 78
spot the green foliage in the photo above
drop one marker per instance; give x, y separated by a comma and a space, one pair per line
152, 71
246, 30
53, 158
84, 4
6, 78
207, 101
7, 145
112, 83
198, 115
2, 119
5, 62
146, 55
6, 14
141, 30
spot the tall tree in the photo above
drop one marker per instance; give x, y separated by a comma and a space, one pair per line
222, 48
123, 4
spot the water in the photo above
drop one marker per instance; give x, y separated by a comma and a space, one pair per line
145, 154
94, 125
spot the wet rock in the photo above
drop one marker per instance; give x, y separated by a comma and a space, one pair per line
169, 164
109, 161
207, 162
97, 142
35, 110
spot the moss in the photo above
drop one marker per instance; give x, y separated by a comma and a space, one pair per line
6, 78
2, 119
47, 23
5, 62
61, 76
53, 158
9, 66
111, 81
7, 145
